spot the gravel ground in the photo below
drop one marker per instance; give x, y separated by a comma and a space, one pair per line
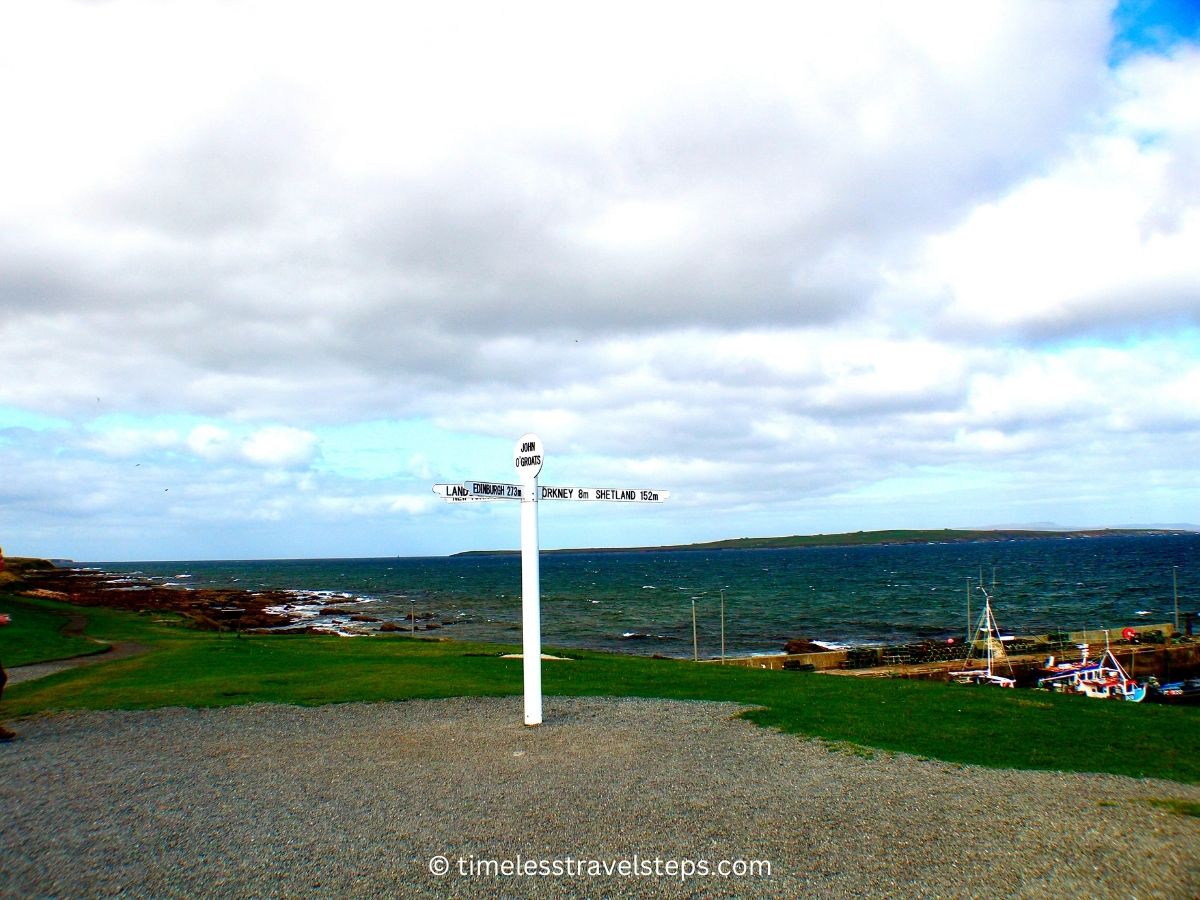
357, 799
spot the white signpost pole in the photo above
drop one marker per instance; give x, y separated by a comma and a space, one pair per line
528, 460
527, 456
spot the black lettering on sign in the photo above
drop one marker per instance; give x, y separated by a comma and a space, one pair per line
528, 446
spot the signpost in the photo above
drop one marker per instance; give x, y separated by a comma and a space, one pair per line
527, 459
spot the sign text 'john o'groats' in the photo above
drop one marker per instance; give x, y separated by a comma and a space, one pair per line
527, 459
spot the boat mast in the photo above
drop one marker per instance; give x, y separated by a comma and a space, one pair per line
1175, 586
979, 626
991, 626
968, 635
993, 632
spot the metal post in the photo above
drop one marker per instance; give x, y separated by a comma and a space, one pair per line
531, 603
412, 618
695, 638
968, 615
722, 628
1175, 586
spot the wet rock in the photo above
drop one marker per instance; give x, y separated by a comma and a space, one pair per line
802, 645
212, 609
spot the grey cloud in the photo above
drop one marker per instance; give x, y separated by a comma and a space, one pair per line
236, 173
257, 262
33, 279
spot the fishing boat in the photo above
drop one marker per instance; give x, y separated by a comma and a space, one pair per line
1051, 667
994, 650
1104, 679
1187, 691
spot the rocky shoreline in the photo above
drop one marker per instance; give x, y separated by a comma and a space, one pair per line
210, 608
267, 611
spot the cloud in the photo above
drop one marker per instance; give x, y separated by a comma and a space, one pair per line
131, 442
776, 259
1102, 244
276, 446
281, 446
209, 441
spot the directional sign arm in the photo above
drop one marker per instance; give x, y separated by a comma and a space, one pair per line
492, 490
611, 495
455, 493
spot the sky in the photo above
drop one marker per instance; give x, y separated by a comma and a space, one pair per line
270, 270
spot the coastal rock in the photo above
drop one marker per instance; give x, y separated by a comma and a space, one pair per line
389, 626
49, 595
211, 609
362, 618
802, 645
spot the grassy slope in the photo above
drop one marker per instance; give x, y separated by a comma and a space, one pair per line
35, 634
970, 725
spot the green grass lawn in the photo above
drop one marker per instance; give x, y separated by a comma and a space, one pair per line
1022, 729
35, 634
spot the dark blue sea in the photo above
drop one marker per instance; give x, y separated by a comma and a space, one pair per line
641, 602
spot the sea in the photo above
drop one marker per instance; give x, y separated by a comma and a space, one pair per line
643, 602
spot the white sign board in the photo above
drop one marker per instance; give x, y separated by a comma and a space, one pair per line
455, 493
622, 495
527, 456
493, 490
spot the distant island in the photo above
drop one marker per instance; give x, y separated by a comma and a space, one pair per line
856, 539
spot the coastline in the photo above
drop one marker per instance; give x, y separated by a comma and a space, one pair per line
267, 611
640, 604
216, 609
886, 538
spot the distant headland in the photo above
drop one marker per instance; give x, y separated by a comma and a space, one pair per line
859, 538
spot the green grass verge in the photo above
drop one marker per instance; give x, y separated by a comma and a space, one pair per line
959, 724
35, 634
1179, 807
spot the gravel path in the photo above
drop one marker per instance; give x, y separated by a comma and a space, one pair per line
120, 650
357, 799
